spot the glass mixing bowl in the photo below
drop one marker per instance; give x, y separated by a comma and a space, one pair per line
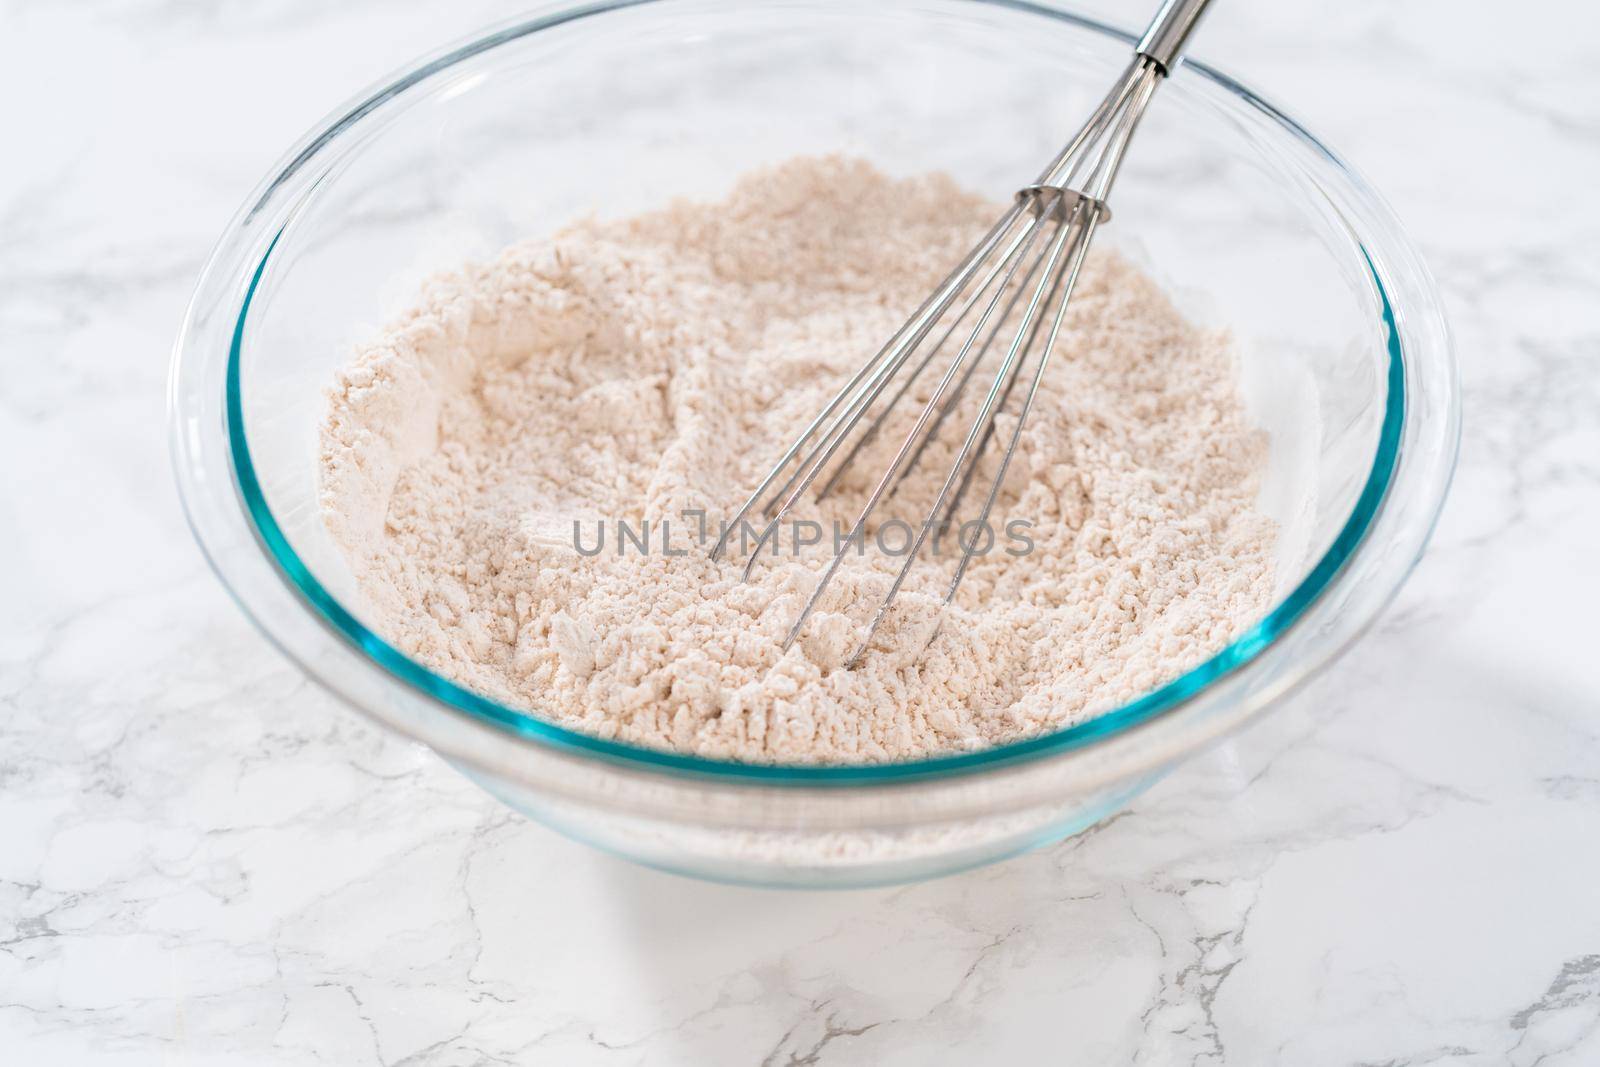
613, 108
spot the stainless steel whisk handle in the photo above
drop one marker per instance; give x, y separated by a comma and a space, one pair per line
1169, 31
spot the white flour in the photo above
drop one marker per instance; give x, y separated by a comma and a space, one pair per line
633, 370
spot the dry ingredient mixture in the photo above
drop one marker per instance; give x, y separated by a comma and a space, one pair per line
631, 371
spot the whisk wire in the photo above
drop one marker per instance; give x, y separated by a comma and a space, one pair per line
954, 398
928, 312
840, 430
837, 433
859, 527
883, 414
1065, 285
1071, 233
954, 506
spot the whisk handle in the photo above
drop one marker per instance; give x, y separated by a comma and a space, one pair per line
1169, 31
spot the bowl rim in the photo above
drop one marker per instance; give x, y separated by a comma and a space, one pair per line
1323, 577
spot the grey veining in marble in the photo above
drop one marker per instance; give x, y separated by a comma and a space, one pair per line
205, 860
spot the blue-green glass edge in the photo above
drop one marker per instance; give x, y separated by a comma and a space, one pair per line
1238, 654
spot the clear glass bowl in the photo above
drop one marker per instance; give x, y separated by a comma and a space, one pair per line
1245, 216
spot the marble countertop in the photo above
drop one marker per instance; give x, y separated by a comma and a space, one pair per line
206, 860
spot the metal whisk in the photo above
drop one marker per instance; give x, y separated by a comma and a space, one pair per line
1035, 251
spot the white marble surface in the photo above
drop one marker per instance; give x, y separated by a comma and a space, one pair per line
205, 860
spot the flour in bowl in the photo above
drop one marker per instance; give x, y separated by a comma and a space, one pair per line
633, 380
